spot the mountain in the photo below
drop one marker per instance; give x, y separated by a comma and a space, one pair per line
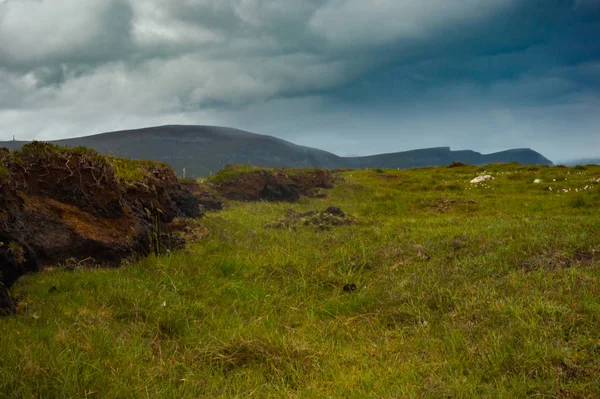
583, 161
202, 150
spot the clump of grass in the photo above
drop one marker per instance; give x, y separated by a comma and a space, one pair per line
16, 251
230, 172
578, 202
38, 151
282, 361
519, 177
448, 186
130, 170
379, 170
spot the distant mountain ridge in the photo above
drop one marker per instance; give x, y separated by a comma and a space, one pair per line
205, 149
582, 161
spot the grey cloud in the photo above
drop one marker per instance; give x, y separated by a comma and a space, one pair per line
41, 33
356, 23
347, 75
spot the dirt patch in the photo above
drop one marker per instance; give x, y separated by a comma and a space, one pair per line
388, 177
246, 183
448, 204
553, 260
321, 220
208, 200
185, 231
316, 192
281, 359
458, 165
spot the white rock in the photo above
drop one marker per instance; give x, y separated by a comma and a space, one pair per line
482, 178
537, 181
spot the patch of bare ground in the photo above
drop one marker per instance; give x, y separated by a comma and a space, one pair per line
247, 183
552, 259
321, 220
448, 204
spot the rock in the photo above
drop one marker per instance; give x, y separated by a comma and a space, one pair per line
537, 181
482, 178
349, 287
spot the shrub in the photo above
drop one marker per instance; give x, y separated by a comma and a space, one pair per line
578, 202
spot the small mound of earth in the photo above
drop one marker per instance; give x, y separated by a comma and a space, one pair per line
248, 183
388, 177
447, 204
321, 220
458, 165
208, 201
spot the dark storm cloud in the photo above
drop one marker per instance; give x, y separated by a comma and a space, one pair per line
346, 75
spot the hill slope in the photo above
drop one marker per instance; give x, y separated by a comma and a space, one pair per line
205, 149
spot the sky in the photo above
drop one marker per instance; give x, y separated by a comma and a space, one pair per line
353, 77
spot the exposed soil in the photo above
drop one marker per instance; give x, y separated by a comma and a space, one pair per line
551, 260
322, 220
448, 204
208, 201
388, 177
458, 165
16, 259
283, 185
61, 204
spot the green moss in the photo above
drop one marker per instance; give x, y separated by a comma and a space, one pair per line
230, 172
131, 170
127, 169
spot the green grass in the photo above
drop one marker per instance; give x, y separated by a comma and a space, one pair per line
488, 290
130, 170
126, 170
232, 171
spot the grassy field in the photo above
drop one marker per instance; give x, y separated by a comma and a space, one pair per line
463, 291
